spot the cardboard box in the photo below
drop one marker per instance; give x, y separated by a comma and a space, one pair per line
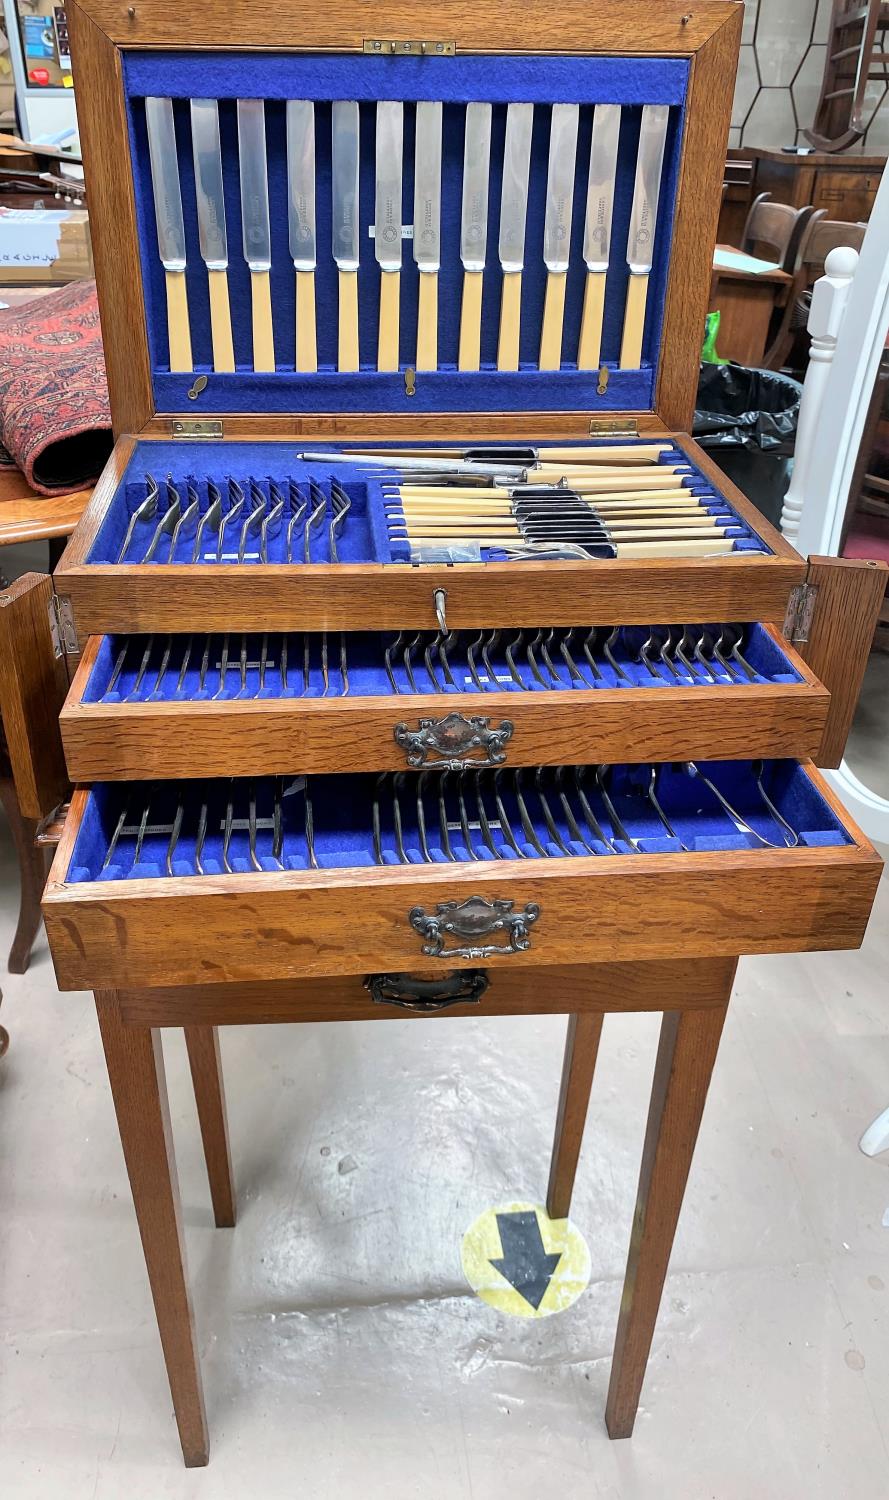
44, 245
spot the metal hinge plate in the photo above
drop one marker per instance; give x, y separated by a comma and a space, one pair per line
212, 428
614, 427
62, 627
800, 611
386, 46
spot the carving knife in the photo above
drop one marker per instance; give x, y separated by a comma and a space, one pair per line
344, 146
387, 232
427, 228
597, 231
170, 225
211, 225
301, 219
643, 220
513, 213
255, 225
474, 230
557, 228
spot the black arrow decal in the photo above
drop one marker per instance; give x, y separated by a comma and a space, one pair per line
524, 1263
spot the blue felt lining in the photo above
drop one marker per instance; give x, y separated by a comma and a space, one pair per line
585, 80
366, 535
342, 819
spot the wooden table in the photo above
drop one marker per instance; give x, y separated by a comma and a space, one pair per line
26, 516
746, 301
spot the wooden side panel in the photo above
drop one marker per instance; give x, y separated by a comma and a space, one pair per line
847, 609
33, 683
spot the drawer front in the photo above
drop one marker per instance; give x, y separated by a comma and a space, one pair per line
718, 897
151, 708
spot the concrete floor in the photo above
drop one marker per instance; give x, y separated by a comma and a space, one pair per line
343, 1354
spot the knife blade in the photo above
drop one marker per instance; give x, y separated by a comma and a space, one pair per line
427, 227
513, 215
643, 222
474, 230
210, 198
597, 231
557, 228
301, 224
345, 130
170, 225
255, 225
387, 222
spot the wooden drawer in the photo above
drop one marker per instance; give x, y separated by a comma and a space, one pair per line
307, 880
155, 707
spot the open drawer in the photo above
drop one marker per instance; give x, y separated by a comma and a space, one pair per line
201, 882
146, 707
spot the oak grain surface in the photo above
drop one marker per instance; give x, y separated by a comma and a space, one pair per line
33, 683
847, 609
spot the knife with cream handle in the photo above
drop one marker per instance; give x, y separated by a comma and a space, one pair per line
474, 230
597, 231
255, 225
301, 224
643, 221
170, 225
387, 226
210, 197
344, 148
557, 228
513, 214
427, 228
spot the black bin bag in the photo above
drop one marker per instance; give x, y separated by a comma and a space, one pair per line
747, 420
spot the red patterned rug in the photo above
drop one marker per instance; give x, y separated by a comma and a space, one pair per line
55, 422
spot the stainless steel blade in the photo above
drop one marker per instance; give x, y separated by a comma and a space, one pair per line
427, 186
208, 188
514, 193
254, 184
387, 211
165, 183
600, 187
344, 147
476, 168
649, 164
301, 182
560, 186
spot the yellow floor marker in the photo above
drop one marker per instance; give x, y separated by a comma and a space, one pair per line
524, 1263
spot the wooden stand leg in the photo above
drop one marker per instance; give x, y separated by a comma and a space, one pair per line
206, 1073
686, 1053
581, 1048
32, 877
138, 1086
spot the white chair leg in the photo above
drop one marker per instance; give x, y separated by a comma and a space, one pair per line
876, 1137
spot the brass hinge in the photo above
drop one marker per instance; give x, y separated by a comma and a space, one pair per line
800, 610
62, 627
386, 47
614, 427
209, 428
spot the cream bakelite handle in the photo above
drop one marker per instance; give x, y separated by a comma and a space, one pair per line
510, 321
306, 338
427, 322
387, 343
589, 350
347, 354
177, 322
634, 323
469, 355
263, 340
221, 322
553, 319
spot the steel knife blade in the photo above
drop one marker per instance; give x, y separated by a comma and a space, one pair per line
560, 186
387, 211
427, 185
649, 164
514, 193
254, 184
165, 183
476, 168
209, 191
301, 182
600, 187
344, 146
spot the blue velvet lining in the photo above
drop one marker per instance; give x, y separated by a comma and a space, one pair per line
585, 80
341, 807
156, 671
366, 535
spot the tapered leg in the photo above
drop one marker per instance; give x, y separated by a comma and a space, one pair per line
32, 879
206, 1072
138, 1086
686, 1053
581, 1047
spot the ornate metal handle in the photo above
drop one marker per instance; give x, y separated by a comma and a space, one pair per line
451, 740
461, 987
474, 918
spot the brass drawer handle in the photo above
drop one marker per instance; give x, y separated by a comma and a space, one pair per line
474, 918
462, 987
450, 741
